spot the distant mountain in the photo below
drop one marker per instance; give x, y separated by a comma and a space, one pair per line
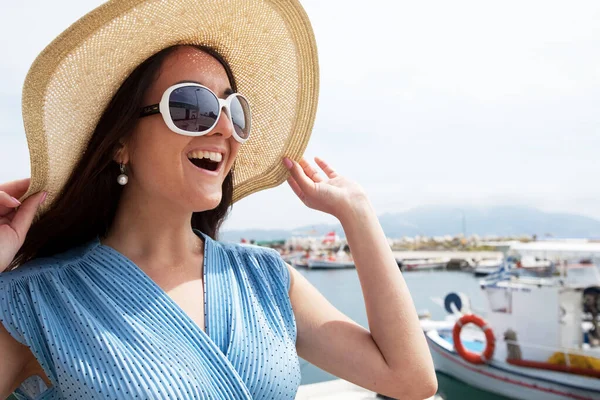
445, 220
500, 220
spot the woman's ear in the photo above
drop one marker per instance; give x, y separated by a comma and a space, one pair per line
122, 154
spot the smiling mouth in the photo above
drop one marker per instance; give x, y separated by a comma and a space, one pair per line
209, 161
205, 164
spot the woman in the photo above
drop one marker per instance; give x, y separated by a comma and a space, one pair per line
102, 297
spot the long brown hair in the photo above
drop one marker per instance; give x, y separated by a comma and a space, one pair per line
87, 205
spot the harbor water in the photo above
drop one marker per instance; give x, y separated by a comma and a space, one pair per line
342, 288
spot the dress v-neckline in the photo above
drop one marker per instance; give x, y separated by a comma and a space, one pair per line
206, 240
203, 335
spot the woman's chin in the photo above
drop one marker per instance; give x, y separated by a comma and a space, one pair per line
207, 201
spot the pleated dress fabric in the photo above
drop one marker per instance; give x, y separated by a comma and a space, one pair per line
103, 329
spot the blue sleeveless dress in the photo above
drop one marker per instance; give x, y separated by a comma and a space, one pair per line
102, 329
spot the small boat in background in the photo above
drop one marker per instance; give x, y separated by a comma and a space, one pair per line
292, 256
329, 264
301, 262
420, 264
330, 260
326, 252
488, 266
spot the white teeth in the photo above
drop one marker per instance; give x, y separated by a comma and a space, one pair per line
216, 157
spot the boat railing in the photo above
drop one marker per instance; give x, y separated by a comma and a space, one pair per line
567, 352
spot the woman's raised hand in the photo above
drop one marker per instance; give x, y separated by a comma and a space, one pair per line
331, 193
15, 218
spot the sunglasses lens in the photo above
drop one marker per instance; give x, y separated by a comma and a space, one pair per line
193, 109
240, 116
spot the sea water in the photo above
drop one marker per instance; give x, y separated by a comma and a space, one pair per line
342, 288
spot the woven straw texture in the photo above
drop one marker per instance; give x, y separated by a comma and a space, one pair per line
269, 45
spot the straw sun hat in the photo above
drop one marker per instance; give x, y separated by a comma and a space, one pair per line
269, 45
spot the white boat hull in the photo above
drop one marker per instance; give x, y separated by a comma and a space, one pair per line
324, 264
511, 381
424, 266
290, 258
299, 263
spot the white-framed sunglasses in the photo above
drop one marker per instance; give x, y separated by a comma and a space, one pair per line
192, 109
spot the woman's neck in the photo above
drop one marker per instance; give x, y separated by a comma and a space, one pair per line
153, 230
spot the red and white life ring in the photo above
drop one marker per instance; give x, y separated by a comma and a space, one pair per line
490, 340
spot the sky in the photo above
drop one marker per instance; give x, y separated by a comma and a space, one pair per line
422, 103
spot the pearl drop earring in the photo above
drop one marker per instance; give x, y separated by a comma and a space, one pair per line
123, 178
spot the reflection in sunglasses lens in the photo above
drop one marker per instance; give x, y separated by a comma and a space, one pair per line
196, 109
240, 113
193, 109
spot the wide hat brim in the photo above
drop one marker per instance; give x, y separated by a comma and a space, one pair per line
269, 45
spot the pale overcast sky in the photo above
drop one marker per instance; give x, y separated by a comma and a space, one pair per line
462, 102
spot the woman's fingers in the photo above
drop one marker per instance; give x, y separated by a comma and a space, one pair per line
304, 182
310, 171
296, 188
22, 219
326, 168
7, 203
9, 192
15, 188
6, 200
7, 219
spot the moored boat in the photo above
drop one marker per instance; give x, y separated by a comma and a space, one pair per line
420, 264
340, 259
292, 256
487, 266
539, 339
329, 264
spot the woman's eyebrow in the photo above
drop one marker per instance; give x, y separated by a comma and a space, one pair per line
226, 93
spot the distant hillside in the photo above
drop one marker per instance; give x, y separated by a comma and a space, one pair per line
502, 221
441, 220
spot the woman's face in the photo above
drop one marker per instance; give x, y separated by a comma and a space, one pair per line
159, 160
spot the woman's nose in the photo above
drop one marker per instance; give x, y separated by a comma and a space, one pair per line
223, 126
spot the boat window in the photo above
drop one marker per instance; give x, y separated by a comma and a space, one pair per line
500, 300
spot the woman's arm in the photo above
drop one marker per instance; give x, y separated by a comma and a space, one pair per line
393, 320
16, 358
392, 358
